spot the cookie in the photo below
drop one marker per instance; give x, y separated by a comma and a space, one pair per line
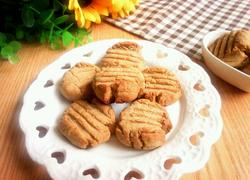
143, 125
76, 82
242, 40
127, 45
161, 86
222, 50
225, 49
217, 46
230, 42
123, 54
108, 111
236, 58
118, 84
87, 125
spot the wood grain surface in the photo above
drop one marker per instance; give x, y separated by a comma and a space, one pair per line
230, 156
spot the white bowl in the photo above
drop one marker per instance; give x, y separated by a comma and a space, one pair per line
221, 69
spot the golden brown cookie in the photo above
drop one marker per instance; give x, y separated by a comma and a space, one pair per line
123, 54
230, 42
236, 58
161, 86
118, 84
224, 48
127, 45
87, 125
242, 40
108, 111
217, 46
143, 125
76, 82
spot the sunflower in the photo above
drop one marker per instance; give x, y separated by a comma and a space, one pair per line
122, 8
89, 11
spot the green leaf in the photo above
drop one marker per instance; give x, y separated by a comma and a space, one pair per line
77, 41
15, 46
61, 19
55, 42
46, 15
3, 39
67, 38
13, 59
19, 34
7, 51
43, 37
28, 17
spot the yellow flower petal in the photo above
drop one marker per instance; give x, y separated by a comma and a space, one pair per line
73, 4
88, 15
121, 14
96, 14
129, 6
87, 24
79, 18
116, 5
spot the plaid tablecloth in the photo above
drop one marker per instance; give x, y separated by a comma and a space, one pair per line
181, 24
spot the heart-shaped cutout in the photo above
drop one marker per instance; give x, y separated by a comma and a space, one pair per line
42, 131
88, 54
133, 174
204, 111
59, 156
183, 67
170, 162
195, 138
66, 66
93, 172
39, 105
48, 83
199, 86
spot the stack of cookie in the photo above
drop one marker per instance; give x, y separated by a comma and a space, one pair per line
234, 49
120, 78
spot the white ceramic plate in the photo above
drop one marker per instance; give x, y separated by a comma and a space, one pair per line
196, 113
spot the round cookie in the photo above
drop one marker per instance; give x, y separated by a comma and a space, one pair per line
76, 82
123, 54
161, 86
87, 125
127, 45
242, 40
118, 84
143, 125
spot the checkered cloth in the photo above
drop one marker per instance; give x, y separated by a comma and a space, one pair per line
181, 24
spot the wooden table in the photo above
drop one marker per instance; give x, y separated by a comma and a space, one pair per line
230, 156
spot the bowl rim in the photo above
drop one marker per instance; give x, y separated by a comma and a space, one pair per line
205, 46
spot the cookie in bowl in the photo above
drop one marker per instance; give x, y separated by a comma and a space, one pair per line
231, 48
231, 64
